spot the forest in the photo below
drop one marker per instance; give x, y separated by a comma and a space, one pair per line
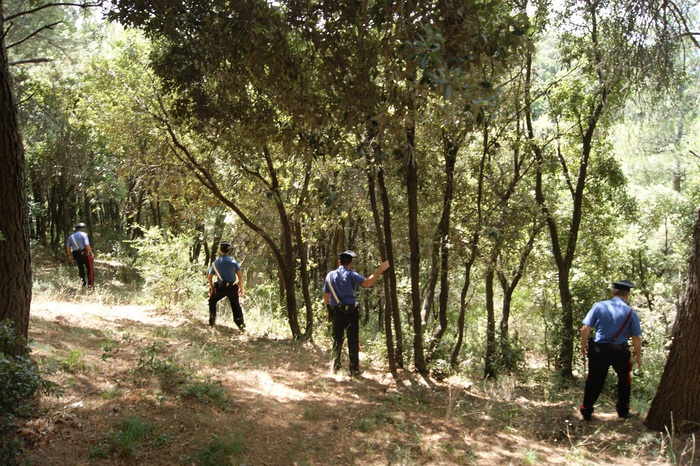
510, 159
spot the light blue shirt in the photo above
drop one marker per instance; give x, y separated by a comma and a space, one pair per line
608, 317
81, 240
227, 268
344, 282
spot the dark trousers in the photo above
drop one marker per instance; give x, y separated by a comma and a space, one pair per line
84, 266
347, 322
599, 361
221, 292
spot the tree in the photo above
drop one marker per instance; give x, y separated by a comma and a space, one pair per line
15, 258
676, 406
440, 61
594, 35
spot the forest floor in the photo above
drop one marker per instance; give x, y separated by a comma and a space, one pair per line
146, 388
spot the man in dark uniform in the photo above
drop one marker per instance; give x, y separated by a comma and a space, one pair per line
343, 311
615, 321
229, 283
78, 249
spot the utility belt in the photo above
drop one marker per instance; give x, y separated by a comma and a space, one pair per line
610, 346
224, 285
80, 252
333, 311
346, 308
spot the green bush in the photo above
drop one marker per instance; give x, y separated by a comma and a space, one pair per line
219, 451
170, 278
130, 435
170, 374
19, 381
206, 392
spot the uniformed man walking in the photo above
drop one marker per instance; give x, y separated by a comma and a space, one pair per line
78, 249
343, 310
225, 280
615, 321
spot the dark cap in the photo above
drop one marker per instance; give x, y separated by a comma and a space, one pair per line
624, 285
348, 253
224, 245
79, 225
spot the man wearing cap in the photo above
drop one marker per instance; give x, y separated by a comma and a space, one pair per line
343, 310
78, 249
228, 283
615, 321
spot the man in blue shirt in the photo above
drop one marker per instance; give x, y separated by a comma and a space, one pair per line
78, 249
615, 321
229, 283
343, 310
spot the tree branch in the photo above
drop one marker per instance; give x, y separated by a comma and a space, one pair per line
30, 60
51, 5
680, 17
48, 26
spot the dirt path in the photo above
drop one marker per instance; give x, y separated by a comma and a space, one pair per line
228, 398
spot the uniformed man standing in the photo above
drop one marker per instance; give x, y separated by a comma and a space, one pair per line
78, 249
228, 283
615, 321
343, 310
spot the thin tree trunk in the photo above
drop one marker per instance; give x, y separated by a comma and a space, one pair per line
411, 166
304, 272
454, 357
390, 274
389, 337
490, 357
473, 249
440, 244
563, 258
509, 289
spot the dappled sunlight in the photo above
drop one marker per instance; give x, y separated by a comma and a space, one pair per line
280, 397
80, 313
262, 384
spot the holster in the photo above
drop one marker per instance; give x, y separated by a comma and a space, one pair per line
347, 308
224, 285
332, 311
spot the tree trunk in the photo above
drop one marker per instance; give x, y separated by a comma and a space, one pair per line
15, 258
389, 337
440, 243
305, 282
414, 246
473, 250
284, 255
454, 357
676, 405
564, 245
490, 358
392, 294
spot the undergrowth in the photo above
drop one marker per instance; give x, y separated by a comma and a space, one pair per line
20, 380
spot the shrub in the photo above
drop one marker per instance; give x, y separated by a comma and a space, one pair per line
219, 451
170, 278
19, 381
130, 434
